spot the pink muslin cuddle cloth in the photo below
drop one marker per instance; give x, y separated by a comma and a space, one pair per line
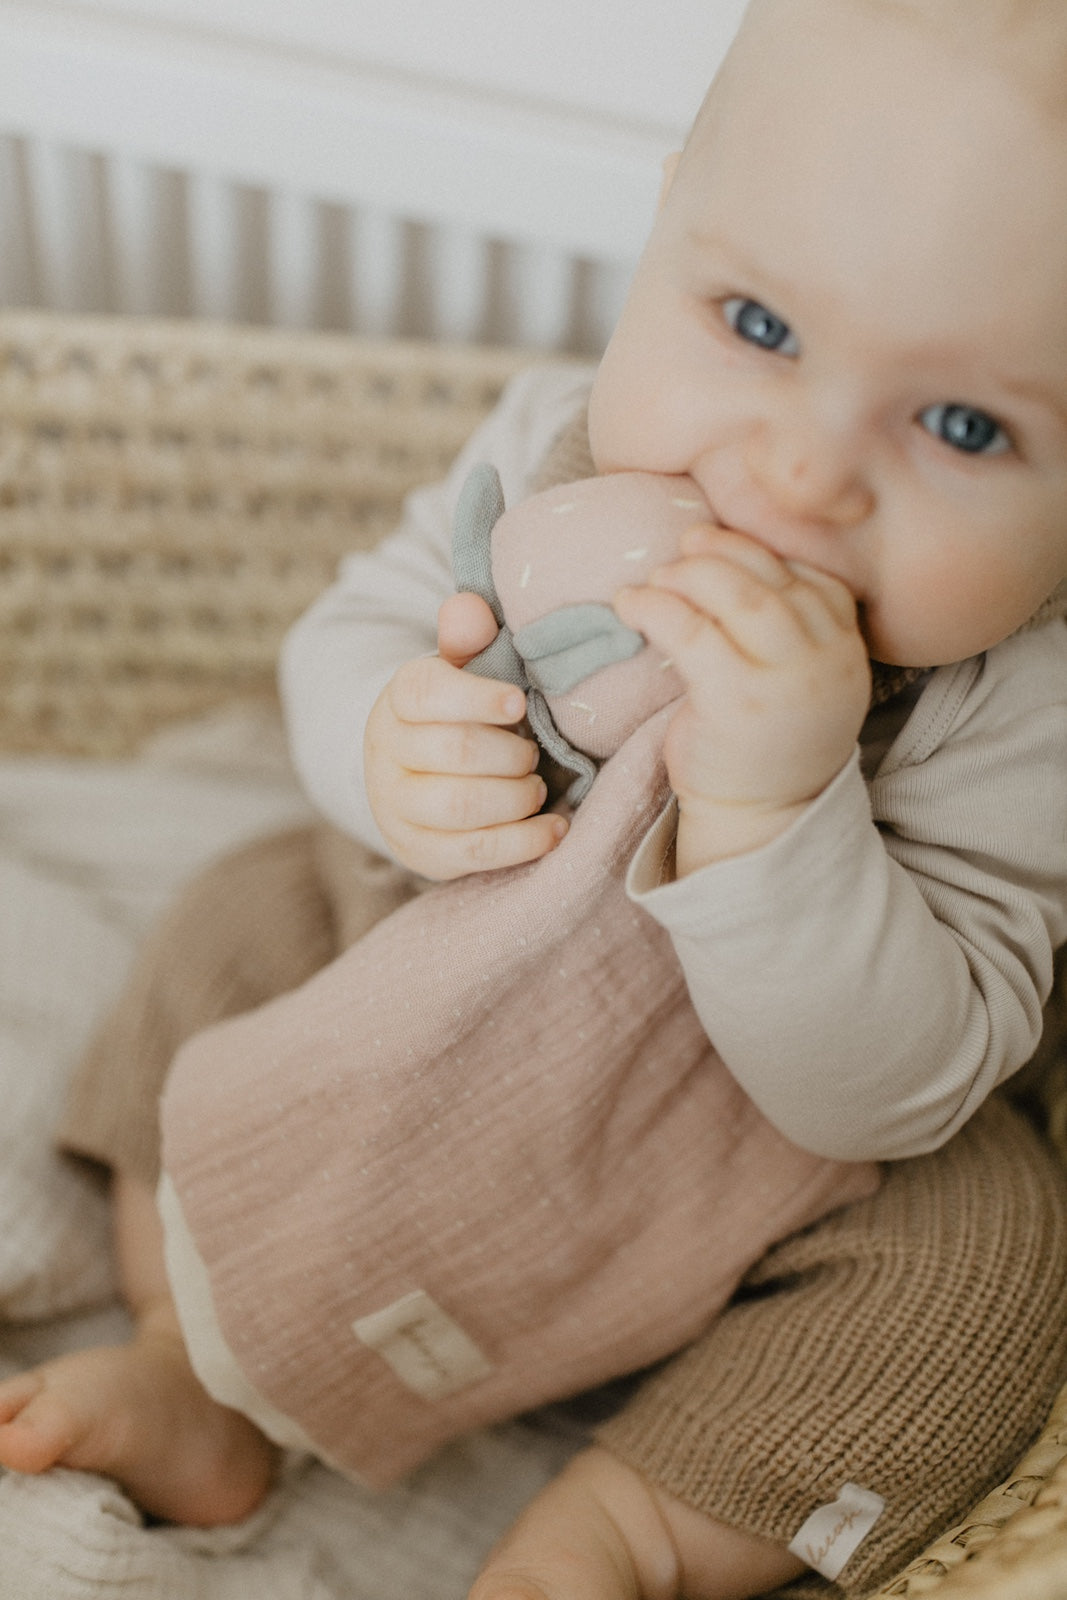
488, 1157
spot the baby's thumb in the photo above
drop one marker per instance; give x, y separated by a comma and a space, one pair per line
465, 626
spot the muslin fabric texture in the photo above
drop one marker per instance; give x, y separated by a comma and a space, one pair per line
500, 1097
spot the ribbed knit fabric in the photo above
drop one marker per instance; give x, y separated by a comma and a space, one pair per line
911, 1344
569, 458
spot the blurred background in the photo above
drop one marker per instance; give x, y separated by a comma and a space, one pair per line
472, 170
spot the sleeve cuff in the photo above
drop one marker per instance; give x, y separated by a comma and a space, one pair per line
681, 904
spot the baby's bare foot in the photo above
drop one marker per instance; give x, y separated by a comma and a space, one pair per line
601, 1531
137, 1413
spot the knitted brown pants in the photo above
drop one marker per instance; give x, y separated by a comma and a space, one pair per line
911, 1344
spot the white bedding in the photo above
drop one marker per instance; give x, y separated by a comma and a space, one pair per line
89, 853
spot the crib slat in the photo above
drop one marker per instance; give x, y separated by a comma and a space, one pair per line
214, 244
133, 205
459, 279
17, 286
295, 264
378, 251
62, 226
120, 234
542, 297
609, 287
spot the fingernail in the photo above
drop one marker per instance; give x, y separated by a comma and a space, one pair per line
559, 827
514, 705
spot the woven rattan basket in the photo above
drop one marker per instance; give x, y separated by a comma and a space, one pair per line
171, 496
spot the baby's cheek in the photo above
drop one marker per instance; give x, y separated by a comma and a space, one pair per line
947, 607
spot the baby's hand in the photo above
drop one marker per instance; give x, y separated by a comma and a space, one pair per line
451, 784
777, 687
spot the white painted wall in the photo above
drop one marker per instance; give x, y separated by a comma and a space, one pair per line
628, 59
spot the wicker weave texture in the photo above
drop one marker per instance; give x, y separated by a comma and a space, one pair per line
1013, 1545
172, 495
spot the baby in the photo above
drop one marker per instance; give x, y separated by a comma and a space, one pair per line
848, 328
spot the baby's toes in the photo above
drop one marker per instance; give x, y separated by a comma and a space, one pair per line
37, 1427
16, 1391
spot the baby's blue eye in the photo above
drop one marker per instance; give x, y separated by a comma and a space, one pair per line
751, 321
966, 429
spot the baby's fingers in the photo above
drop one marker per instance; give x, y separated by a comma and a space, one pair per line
691, 641
469, 749
430, 689
444, 856
465, 625
767, 621
451, 804
816, 596
827, 597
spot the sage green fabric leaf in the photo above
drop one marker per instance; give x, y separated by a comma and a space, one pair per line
570, 644
500, 660
560, 749
478, 510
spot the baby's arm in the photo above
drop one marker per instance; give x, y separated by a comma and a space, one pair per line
337, 659
870, 963
875, 970
452, 785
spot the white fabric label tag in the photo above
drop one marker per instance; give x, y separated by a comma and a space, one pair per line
832, 1533
429, 1352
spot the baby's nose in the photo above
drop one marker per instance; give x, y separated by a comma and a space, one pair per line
810, 472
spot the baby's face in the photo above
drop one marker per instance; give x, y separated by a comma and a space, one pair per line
850, 323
